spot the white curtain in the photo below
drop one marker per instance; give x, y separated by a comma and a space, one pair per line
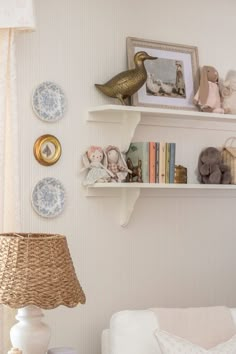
14, 15
9, 169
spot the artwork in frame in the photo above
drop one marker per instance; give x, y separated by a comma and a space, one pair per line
172, 79
47, 150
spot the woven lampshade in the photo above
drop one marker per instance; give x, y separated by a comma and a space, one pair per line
37, 269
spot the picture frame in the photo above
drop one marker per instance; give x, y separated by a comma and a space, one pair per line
47, 150
173, 78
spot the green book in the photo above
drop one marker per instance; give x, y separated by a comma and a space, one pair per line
137, 158
167, 166
172, 162
157, 162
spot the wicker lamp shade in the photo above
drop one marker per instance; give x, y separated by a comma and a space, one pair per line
37, 269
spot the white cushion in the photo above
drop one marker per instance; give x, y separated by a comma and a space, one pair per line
132, 332
171, 344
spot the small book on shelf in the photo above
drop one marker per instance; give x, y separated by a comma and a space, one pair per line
172, 163
167, 162
152, 162
162, 162
157, 162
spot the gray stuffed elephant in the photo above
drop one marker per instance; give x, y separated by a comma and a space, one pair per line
211, 170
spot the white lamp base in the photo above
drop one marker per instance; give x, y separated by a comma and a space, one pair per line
30, 334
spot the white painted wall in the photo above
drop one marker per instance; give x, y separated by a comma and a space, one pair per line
177, 250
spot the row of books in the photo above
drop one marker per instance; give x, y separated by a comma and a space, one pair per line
151, 162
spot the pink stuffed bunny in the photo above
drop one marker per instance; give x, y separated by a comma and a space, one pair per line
116, 163
208, 95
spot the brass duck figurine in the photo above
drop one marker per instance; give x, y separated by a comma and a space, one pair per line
126, 83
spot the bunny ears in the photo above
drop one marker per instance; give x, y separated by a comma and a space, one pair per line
208, 97
208, 73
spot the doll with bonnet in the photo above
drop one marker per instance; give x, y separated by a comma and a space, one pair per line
116, 163
208, 95
95, 162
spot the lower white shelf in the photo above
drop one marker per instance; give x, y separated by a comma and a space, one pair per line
164, 186
130, 192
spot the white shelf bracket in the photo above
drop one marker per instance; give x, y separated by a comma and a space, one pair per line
129, 198
129, 123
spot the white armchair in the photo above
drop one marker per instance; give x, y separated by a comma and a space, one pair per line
132, 332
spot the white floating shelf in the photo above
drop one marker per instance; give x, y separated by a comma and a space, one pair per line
114, 111
130, 192
130, 116
163, 186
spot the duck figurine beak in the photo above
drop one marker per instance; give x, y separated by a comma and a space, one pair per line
149, 57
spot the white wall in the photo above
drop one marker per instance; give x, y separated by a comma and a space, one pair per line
177, 250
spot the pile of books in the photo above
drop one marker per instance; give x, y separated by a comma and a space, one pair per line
151, 162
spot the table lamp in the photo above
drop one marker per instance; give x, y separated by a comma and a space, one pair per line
36, 272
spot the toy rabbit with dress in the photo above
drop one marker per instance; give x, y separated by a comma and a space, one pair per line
95, 162
116, 163
208, 95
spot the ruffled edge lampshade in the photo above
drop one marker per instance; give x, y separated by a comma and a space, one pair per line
37, 269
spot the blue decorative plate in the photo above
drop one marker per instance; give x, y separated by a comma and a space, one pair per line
48, 197
49, 102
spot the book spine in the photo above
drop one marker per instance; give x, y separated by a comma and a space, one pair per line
172, 162
157, 162
145, 161
167, 165
152, 162
162, 162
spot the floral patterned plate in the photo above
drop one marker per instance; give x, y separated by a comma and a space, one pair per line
49, 102
48, 197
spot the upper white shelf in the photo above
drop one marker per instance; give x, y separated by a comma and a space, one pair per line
130, 116
115, 111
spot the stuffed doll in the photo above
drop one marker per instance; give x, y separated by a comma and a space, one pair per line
116, 163
208, 95
228, 92
211, 169
95, 162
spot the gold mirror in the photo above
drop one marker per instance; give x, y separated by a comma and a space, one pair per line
47, 150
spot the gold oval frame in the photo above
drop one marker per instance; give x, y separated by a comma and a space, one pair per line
47, 138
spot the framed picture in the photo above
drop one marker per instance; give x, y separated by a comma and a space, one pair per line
47, 150
173, 78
